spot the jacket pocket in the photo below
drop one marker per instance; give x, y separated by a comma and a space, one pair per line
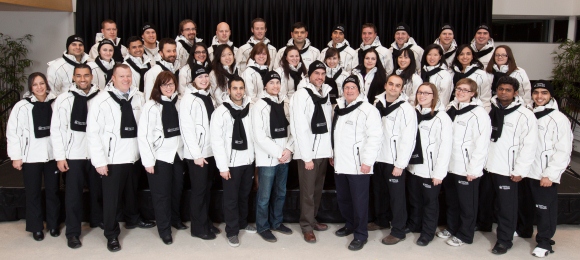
357, 156
512, 153
393, 146
112, 142
201, 136
157, 143
69, 144
545, 159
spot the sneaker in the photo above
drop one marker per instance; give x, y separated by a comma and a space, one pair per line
250, 229
516, 234
454, 241
443, 234
283, 229
268, 236
540, 252
233, 241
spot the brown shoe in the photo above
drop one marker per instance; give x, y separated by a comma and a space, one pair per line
373, 227
320, 227
391, 240
309, 237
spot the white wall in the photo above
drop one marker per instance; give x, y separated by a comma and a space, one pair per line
536, 7
535, 58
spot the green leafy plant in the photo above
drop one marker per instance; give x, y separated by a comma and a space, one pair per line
566, 73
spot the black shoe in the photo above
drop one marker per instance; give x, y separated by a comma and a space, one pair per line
113, 245
74, 242
210, 236
499, 249
422, 241
356, 245
141, 224
168, 240
344, 231
282, 229
101, 225
54, 232
38, 236
268, 236
179, 226
214, 230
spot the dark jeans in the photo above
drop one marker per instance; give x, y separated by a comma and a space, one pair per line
236, 193
32, 174
271, 196
201, 179
166, 185
81, 171
352, 194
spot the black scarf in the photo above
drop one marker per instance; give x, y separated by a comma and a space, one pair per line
304, 50
361, 54
397, 53
41, 116
108, 72
79, 111
341, 112
253, 44
480, 54
117, 54
230, 76
334, 87
496, 76
426, 75
318, 122
278, 122
543, 113
342, 48
497, 116
385, 111
453, 112
296, 77
239, 139
166, 69
417, 156
207, 102
141, 72
459, 76
69, 61
447, 55
128, 122
262, 72
170, 119
185, 45
376, 86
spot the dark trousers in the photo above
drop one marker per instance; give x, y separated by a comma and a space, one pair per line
424, 205
462, 202
352, 194
166, 185
116, 187
394, 186
311, 184
526, 209
32, 173
81, 171
487, 198
201, 179
544, 206
236, 193
507, 208
129, 208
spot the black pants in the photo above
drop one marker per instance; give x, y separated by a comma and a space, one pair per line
487, 198
116, 189
507, 208
32, 174
385, 183
526, 209
81, 171
462, 202
424, 202
166, 185
201, 179
236, 193
352, 194
544, 206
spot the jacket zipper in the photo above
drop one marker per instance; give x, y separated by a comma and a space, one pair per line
231, 153
199, 141
432, 163
110, 141
467, 154
314, 143
546, 161
26, 146
513, 160
358, 154
395, 141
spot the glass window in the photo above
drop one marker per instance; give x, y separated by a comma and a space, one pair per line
517, 30
560, 30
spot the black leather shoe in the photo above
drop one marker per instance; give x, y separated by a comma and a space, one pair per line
38, 236
74, 242
215, 230
422, 241
356, 245
344, 231
179, 226
210, 236
168, 240
113, 245
499, 249
54, 232
141, 224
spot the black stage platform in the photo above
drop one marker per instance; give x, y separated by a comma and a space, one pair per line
12, 198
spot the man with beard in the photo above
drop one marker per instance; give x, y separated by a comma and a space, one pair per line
186, 39
167, 62
138, 62
299, 39
60, 71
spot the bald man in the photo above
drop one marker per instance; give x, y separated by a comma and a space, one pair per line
222, 36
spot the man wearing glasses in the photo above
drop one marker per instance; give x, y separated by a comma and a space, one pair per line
185, 40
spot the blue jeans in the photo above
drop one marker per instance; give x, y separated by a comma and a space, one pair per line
271, 196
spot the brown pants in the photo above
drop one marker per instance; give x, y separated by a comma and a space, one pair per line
311, 183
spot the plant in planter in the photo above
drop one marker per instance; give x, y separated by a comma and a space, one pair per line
566, 73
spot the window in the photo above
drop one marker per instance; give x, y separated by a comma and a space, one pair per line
516, 30
560, 30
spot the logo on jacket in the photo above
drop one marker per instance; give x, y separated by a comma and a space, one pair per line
541, 206
279, 129
509, 124
428, 186
175, 129
391, 118
504, 187
541, 127
129, 128
239, 141
461, 123
349, 122
320, 124
394, 180
463, 182
43, 127
77, 122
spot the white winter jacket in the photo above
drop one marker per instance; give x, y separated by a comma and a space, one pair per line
452, 49
151, 76
471, 132
20, 140
444, 83
103, 129
386, 55
365, 81
287, 83
310, 55
485, 59
185, 77
253, 80
348, 56
268, 149
331, 72
215, 42
94, 52
153, 54
182, 53
410, 88
358, 137
554, 148
60, 73
244, 53
217, 93
308, 146
417, 51
66, 143
399, 132
525, 89
99, 75
436, 142
194, 124
514, 152
483, 85
141, 63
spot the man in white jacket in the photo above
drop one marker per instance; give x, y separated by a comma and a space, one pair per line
447, 42
149, 36
403, 40
370, 40
113, 149
138, 62
482, 44
222, 36
109, 32
60, 71
185, 40
310, 111
69, 143
167, 62
299, 39
514, 138
258, 35
232, 143
356, 138
348, 56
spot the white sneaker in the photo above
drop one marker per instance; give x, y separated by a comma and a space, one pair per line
516, 234
540, 252
250, 229
233, 241
444, 234
454, 241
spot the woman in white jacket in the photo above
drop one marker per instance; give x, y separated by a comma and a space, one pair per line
161, 149
198, 56
30, 149
429, 163
466, 65
256, 69
471, 131
292, 70
406, 67
223, 69
371, 75
503, 63
102, 67
195, 110
335, 74
434, 70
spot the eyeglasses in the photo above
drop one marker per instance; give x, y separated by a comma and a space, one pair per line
168, 85
198, 52
501, 56
424, 93
460, 90
350, 87
190, 29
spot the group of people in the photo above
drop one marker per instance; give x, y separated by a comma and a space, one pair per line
403, 120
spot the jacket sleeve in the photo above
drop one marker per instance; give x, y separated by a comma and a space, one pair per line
525, 90
217, 137
387, 62
407, 137
276, 60
485, 93
59, 128
442, 164
250, 84
145, 134
481, 132
241, 60
14, 130
446, 89
188, 111
563, 150
184, 74
300, 126
528, 140
374, 137
95, 124
54, 80
149, 82
94, 52
290, 140
261, 138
